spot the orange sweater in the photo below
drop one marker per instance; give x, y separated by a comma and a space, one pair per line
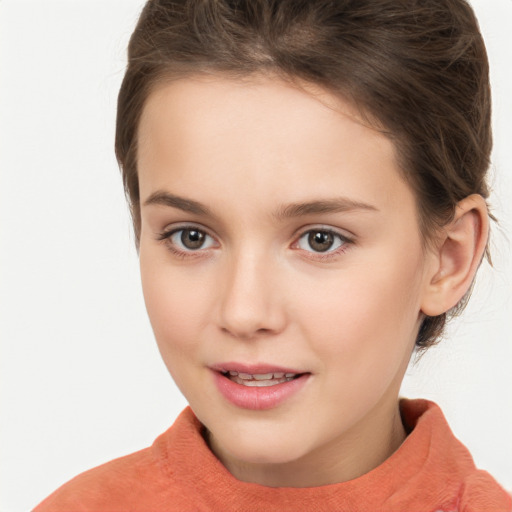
431, 471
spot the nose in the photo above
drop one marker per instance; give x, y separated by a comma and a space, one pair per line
252, 298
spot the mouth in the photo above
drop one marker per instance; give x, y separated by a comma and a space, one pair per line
260, 380
258, 387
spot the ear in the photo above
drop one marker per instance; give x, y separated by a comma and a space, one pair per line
457, 256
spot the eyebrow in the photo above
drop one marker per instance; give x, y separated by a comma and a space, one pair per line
289, 211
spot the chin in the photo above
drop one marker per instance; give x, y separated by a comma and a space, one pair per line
260, 449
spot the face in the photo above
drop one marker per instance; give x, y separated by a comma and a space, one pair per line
279, 238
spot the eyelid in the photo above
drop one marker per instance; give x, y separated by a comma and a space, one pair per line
168, 231
322, 227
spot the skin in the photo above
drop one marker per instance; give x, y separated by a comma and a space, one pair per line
258, 292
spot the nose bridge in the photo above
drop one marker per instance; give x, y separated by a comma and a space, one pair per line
251, 300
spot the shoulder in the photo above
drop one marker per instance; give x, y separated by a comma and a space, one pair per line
447, 464
480, 491
109, 486
149, 479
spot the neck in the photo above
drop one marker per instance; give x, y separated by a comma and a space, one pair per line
367, 445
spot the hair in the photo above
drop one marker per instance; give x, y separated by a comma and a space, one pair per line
417, 69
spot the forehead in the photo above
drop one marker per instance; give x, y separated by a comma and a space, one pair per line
262, 137
209, 103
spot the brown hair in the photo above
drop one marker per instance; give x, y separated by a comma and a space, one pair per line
419, 69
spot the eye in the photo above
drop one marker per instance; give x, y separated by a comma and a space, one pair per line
187, 239
323, 241
191, 241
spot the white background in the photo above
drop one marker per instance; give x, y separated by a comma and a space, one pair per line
81, 377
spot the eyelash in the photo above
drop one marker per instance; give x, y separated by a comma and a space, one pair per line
318, 256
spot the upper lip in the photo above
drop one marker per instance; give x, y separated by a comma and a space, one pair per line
253, 369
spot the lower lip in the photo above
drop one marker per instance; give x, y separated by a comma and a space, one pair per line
258, 398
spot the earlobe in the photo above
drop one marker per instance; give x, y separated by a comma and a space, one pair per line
457, 257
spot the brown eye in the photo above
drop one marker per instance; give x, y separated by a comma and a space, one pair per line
187, 240
321, 240
192, 238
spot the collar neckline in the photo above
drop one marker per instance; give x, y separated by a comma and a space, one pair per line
424, 456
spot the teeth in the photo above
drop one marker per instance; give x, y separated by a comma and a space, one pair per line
259, 383
263, 376
260, 379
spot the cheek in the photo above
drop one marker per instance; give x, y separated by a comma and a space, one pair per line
176, 313
366, 315
174, 302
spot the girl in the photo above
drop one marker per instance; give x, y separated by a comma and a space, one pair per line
307, 182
